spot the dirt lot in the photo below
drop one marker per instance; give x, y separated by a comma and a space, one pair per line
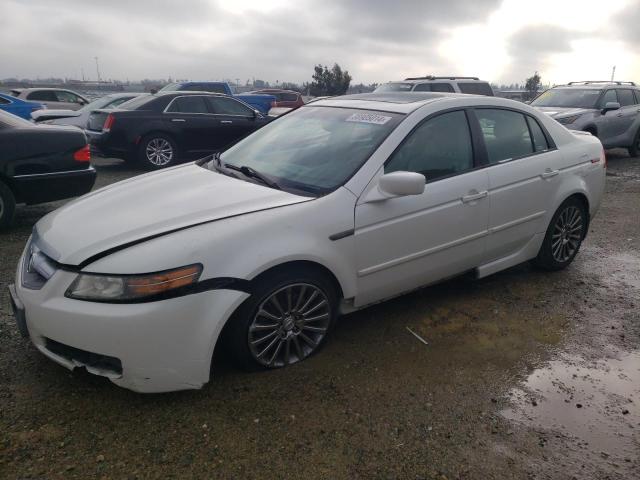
526, 375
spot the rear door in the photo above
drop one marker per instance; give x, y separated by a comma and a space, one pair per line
236, 120
523, 174
193, 123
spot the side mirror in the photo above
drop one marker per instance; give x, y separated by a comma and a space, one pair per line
256, 113
397, 184
528, 102
610, 106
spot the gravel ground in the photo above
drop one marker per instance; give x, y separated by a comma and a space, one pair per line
526, 375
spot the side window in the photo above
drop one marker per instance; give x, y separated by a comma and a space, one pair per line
442, 87
228, 106
43, 96
609, 96
67, 97
637, 94
438, 148
625, 97
539, 140
4, 101
476, 88
422, 87
190, 104
506, 134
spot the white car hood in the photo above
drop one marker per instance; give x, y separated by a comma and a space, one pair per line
148, 206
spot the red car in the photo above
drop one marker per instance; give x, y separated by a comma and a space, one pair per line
284, 98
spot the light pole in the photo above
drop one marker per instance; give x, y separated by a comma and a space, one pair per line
97, 69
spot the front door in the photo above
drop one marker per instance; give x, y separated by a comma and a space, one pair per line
403, 243
193, 124
236, 120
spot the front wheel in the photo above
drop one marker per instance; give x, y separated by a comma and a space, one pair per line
286, 319
564, 236
157, 151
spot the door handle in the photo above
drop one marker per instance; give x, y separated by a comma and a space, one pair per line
474, 195
178, 120
548, 173
226, 122
619, 114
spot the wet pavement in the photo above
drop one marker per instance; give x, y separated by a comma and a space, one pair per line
525, 375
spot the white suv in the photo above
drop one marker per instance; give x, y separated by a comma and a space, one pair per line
470, 85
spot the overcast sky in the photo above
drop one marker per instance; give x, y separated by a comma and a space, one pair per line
503, 41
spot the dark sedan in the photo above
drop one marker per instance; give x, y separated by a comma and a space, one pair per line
162, 129
40, 163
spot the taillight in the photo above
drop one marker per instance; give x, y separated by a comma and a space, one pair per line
108, 123
273, 104
83, 155
603, 156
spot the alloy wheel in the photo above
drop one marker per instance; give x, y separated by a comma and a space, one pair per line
567, 234
289, 325
159, 151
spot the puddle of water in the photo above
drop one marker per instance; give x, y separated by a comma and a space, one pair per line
596, 403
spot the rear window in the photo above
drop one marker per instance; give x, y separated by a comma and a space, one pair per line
212, 87
476, 88
289, 97
144, 102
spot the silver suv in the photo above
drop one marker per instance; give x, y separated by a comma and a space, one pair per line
608, 110
471, 85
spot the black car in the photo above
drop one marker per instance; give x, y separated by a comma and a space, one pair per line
161, 129
40, 163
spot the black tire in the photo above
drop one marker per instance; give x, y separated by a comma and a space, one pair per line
7, 206
290, 347
564, 236
634, 150
156, 151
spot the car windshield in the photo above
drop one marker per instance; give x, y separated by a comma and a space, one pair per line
313, 150
394, 87
568, 98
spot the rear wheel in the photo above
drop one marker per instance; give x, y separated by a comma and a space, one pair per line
157, 151
564, 236
285, 320
634, 150
7, 206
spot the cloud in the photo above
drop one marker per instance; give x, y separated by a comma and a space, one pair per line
627, 25
531, 49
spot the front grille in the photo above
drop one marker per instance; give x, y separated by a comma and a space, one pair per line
88, 359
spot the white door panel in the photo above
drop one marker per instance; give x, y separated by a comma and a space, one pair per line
520, 193
403, 243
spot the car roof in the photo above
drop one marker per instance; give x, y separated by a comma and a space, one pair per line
430, 78
597, 85
387, 101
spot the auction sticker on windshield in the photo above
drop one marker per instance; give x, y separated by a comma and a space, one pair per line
368, 118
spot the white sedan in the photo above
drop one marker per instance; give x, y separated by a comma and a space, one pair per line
340, 204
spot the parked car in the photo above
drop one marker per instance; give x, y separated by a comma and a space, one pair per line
19, 107
40, 164
261, 102
284, 98
79, 118
161, 129
58, 98
470, 85
335, 206
608, 110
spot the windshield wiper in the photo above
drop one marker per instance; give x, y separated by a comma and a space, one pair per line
252, 173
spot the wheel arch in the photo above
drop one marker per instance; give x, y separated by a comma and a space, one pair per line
592, 129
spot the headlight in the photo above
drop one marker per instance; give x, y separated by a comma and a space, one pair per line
568, 120
132, 288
